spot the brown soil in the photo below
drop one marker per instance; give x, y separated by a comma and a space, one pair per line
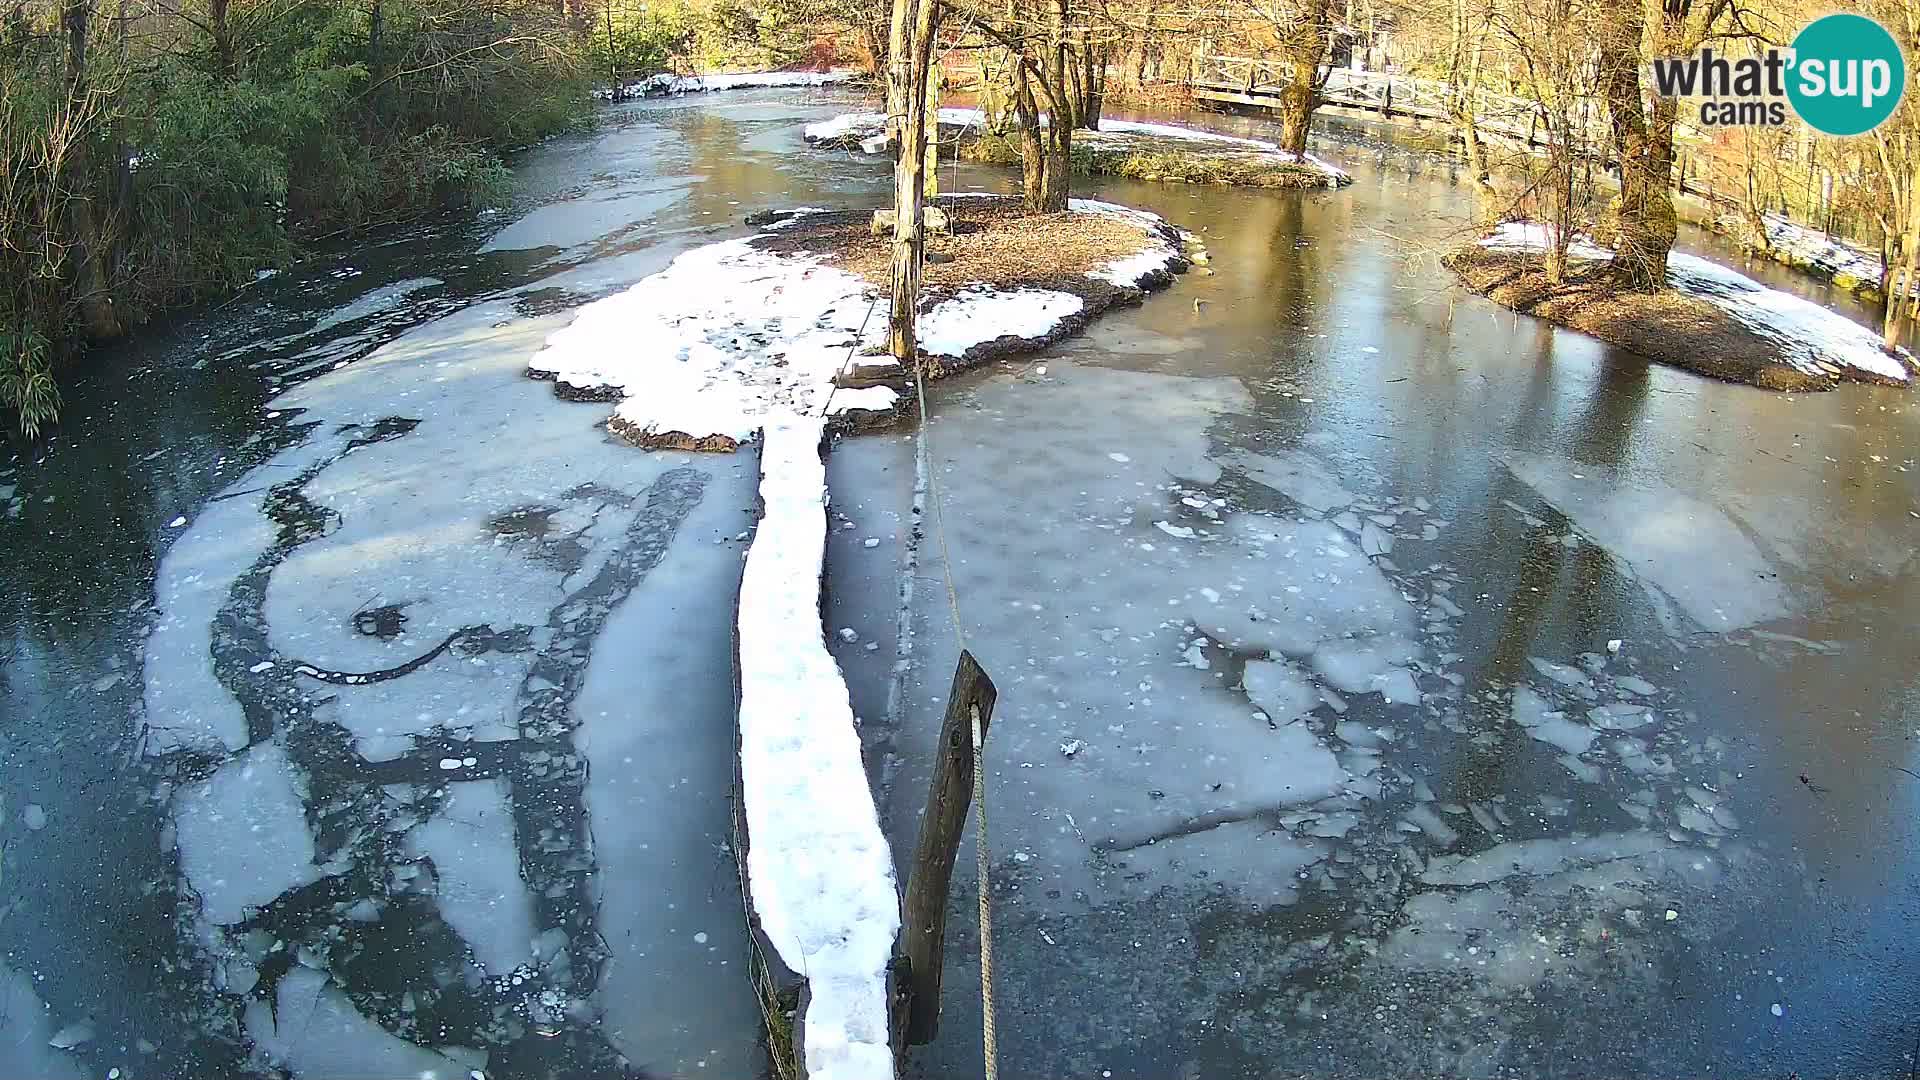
1668, 326
993, 242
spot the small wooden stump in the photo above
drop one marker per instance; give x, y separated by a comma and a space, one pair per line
924, 911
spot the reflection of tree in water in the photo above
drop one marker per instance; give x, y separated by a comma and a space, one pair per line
372, 923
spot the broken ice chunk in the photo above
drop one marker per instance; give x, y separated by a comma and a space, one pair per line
1279, 689
1622, 716
1560, 673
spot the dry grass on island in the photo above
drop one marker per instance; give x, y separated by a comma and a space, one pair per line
1165, 160
994, 259
1132, 150
992, 241
1669, 326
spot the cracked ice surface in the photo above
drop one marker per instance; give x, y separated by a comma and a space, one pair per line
396, 616
1172, 752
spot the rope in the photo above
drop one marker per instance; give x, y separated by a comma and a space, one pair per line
846, 365
989, 1039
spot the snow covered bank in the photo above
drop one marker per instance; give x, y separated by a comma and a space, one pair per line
1848, 265
667, 84
818, 870
1114, 138
1715, 320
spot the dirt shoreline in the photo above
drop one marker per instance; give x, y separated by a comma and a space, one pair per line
1667, 327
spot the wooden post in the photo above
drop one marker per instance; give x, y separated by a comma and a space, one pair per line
924, 912
911, 45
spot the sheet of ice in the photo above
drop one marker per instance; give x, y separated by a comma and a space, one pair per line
1297, 474
481, 894
186, 707
312, 1030
243, 833
1550, 726
1251, 861
374, 302
1688, 549
1280, 690
657, 731
979, 314
1160, 744
1370, 665
1811, 338
26, 1032
1538, 857
818, 868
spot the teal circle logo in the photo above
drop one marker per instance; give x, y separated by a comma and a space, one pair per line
1847, 74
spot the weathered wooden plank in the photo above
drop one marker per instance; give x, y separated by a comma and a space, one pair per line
949, 793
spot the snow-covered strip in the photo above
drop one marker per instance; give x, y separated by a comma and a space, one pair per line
817, 864
668, 83
720, 341
1114, 134
1811, 338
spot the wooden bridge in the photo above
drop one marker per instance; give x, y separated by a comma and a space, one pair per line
1231, 80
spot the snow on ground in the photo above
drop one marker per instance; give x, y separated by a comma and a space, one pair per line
1113, 134
667, 83
818, 868
1847, 263
731, 336
1811, 338
1688, 550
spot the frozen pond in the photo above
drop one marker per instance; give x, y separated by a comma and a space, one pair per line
1388, 685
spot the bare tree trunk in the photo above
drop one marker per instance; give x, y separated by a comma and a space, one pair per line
1469, 45
1639, 255
1900, 286
91, 291
1303, 47
909, 52
222, 31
